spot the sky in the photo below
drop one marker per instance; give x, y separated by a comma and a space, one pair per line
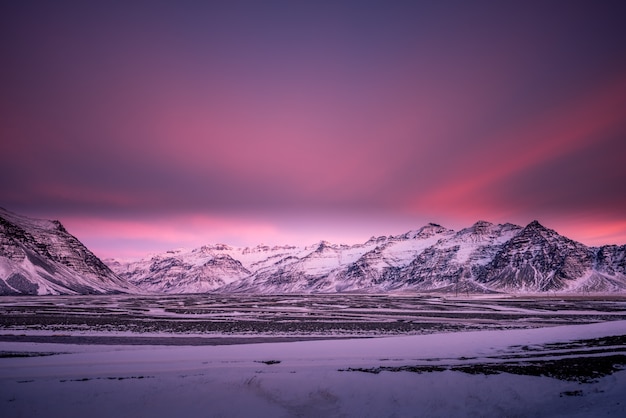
147, 126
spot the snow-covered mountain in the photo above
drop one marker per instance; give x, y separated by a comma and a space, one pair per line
179, 271
482, 258
39, 257
539, 259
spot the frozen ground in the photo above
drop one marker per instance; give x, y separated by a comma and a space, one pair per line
515, 358
322, 315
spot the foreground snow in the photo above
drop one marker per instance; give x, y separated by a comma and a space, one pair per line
310, 378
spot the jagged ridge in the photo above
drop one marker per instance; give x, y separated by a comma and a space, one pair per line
483, 258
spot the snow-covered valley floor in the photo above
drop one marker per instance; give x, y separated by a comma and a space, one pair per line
530, 367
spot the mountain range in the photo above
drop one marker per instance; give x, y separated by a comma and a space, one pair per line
41, 257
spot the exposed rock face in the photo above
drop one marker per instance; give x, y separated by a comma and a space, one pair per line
537, 259
39, 257
611, 259
483, 258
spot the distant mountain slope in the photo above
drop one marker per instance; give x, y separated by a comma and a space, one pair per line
483, 258
39, 257
177, 272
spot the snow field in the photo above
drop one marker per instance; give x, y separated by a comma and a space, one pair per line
303, 379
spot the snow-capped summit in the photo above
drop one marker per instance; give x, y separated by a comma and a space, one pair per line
426, 231
539, 259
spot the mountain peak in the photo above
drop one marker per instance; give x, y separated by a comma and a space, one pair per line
431, 229
59, 226
374, 239
480, 228
322, 245
535, 224
482, 224
536, 228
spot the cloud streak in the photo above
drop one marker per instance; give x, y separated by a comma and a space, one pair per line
566, 130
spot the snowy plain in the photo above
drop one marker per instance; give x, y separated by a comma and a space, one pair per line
541, 368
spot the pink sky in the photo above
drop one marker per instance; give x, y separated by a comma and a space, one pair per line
146, 127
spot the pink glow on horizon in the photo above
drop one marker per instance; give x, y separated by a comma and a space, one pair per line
147, 235
592, 232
